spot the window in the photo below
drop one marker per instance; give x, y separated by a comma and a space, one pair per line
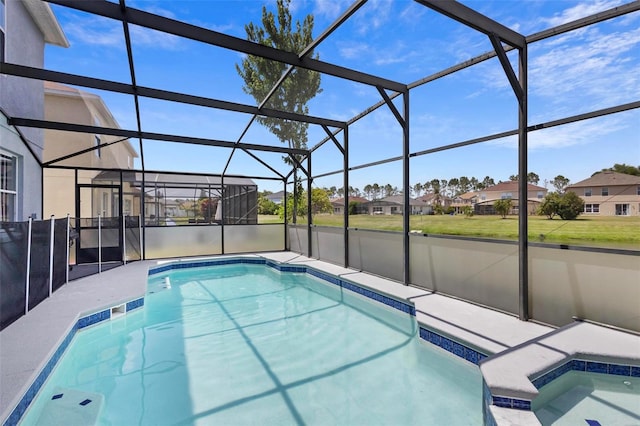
2, 29
540, 195
8, 187
622, 209
105, 204
605, 191
394, 210
638, 190
592, 208
377, 210
506, 195
587, 192
97, 143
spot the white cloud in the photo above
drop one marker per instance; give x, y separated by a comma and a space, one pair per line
588, 64
330, 9
352, 50
373, 15
579, 11
579, 133
94, 30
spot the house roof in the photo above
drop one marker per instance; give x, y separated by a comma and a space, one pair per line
469, 195
356, 199
399, 200
275, 196
608, 178
512, 185
46, 21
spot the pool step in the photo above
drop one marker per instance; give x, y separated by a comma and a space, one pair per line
71, 407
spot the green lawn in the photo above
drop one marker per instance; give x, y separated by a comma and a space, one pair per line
611, 231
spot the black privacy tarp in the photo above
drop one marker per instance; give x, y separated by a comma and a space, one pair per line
13, 273
60, 244
39, 270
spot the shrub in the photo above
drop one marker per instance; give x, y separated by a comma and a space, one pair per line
503, 207
549, 206
570, 206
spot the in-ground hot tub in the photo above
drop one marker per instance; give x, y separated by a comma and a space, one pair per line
589, 393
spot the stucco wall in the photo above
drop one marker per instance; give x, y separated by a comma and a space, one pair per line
29, 183
22, 97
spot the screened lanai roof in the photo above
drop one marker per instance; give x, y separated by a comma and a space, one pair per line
188, 91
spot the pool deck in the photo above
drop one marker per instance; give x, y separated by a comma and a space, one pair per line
523, 348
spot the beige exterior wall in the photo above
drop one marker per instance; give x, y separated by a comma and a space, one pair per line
59, 193
496, 195
66, 104
607, 203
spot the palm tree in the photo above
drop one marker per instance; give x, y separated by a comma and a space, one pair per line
367, 190
376, 191
417, 188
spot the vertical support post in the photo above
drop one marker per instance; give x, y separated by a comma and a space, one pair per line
140, 234
51, 240
66, 281
287, 243
309, 217
99, 244
294, 210
124, 239
222, 215
523, 227
345, 166
406, 210
26, 289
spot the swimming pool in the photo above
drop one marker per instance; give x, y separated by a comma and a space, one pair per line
247, 344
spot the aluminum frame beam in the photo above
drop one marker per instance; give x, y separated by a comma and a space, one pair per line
81, 128
477, 21
148, 92
182, 29
567, 120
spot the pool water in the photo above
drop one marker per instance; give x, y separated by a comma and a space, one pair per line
582, 398
246, 344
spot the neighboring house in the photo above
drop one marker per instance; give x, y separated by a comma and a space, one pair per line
609, 193
430, 200
25, 27
71, 105
508, 190
463, 201
387, 205
338, 205
276, 197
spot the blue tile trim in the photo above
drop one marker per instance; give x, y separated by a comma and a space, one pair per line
135, 304
450, 345
587, 366
94, 318
514, 403
389, 301
36, 385
571, 365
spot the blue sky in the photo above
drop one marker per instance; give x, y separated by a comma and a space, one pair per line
584, 70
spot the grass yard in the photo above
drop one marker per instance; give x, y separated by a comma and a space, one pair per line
609, 231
